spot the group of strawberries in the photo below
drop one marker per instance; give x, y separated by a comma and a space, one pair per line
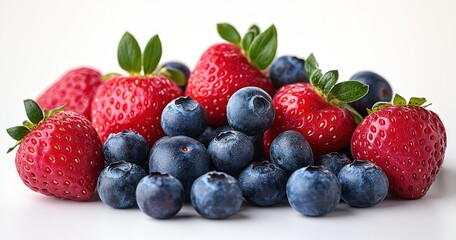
60, 151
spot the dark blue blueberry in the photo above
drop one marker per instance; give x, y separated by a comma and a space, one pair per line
291, 151
178, 66
257, 141
333, 161
160, 195
231, 151
127, 146
287, 70
183, 116
250, 110
210, 133
313, 191
117, 183
363, 183
263, 183
379, 91
216, 195
183, 157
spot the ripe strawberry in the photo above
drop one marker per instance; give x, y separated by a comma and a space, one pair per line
75, 89
407, 141
134, 102
59, 153
225, 68
318, 110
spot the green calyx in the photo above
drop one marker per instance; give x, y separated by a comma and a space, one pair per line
35, 116
259, 47
339, 94
399, 101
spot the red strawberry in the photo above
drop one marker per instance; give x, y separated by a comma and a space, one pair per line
407, 141
227, 67
59, 153
75, 89
318, 110
134, 102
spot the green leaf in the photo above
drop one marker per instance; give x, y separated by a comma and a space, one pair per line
174, 74
229, 33
12, 148
328, 80
18, 132
247, 41
355, 114
255, 29
398, 100
348, 91
30, 125
315, 78
48, 113
378, 106
129, 54
263, 48
33, 110
417, 102
311, 64
108, 76
152, 55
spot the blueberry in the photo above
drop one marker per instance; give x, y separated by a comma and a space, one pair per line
313, 191
333, 161
178, 66
160, 195
257, 141
291, 151
183, 116
216, 195
210, 133
231, 151
379, 91
183, 157
128, 146
250, 110
286, 70
263, 183
364, 184
117, 183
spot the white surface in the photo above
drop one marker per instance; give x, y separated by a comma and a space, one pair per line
411, 43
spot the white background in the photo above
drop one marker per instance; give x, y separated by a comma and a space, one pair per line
411, 43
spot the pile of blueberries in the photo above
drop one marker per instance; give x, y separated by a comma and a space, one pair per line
216, 168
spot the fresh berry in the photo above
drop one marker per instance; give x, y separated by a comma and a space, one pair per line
216, 195
313, 191
318, 110
134, 102
258, 152
178, 66
250, 111
126, 145
363, 184
160, 195
287, 70
183, 116
176, 71
291, 151
210, 133
183, 157
75, 89
59, 153
333, 161
407, 141
231, 152
117, 183
379, 91
263, 183
225, 68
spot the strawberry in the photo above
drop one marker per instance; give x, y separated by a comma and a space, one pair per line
134, 102
75, 89
318, 110
225, 68
59, 153
407, 141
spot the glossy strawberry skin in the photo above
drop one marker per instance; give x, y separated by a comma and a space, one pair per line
61, 157
220, 72
408, 143
326, 127
75, 89
133, 103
